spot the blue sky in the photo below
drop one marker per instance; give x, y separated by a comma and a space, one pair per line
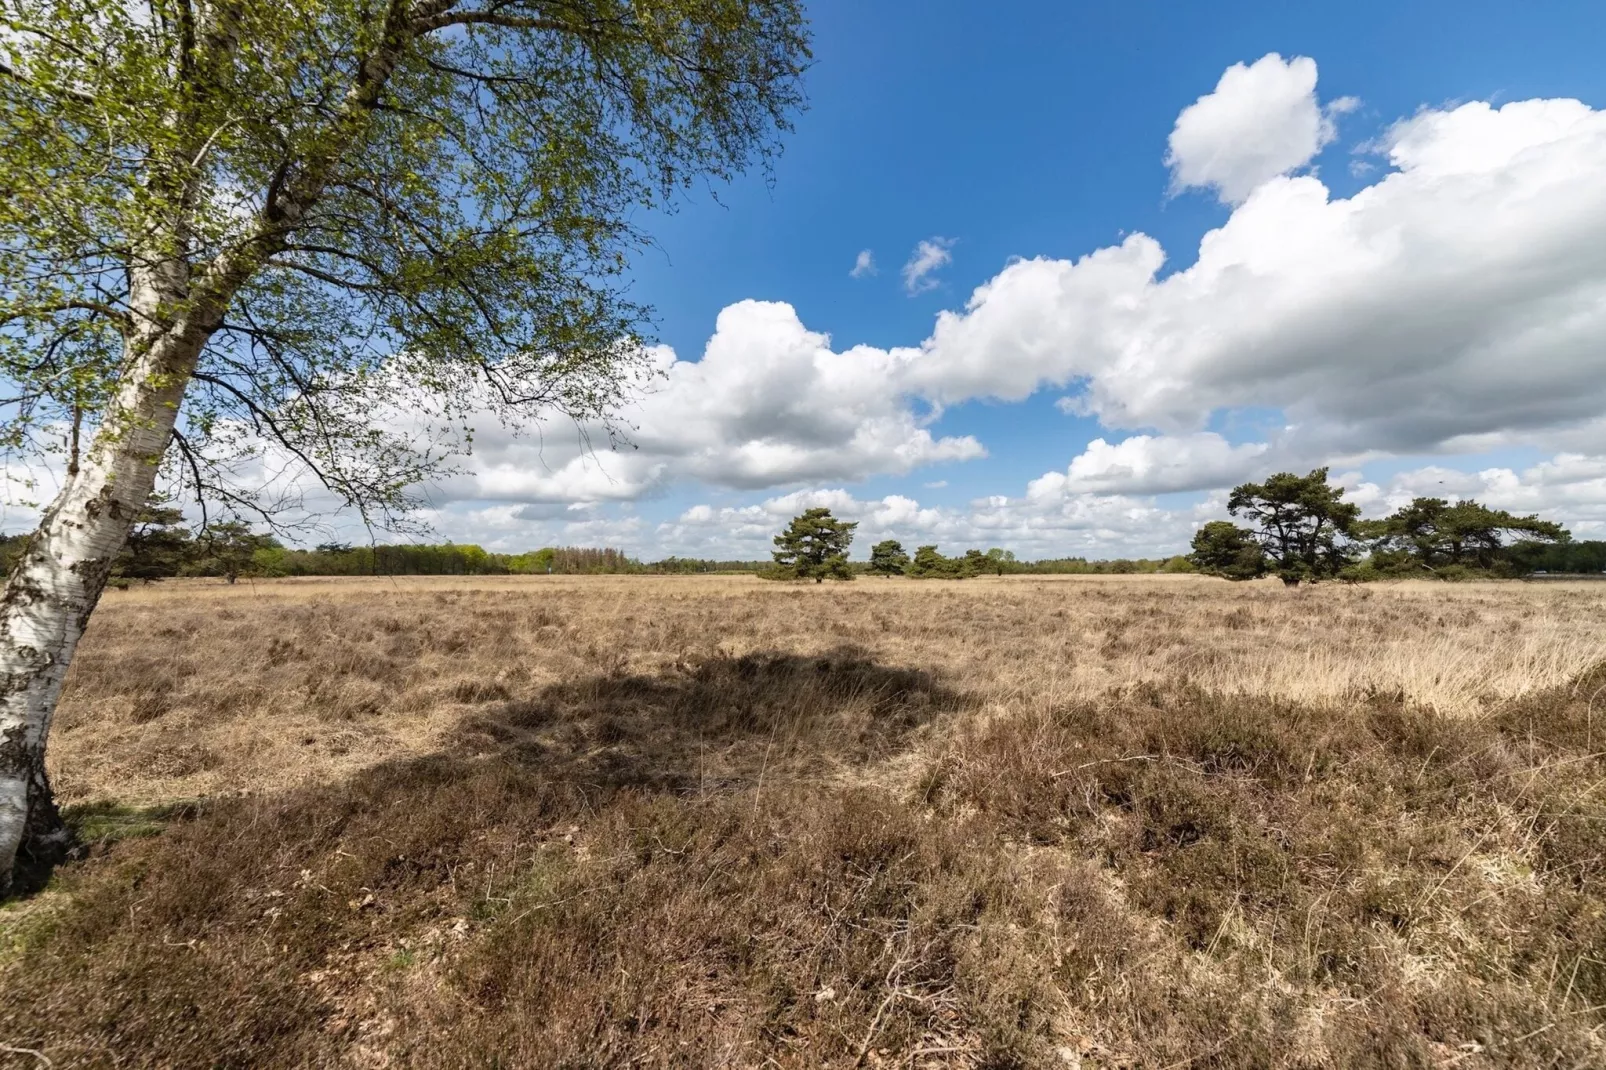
1042, 130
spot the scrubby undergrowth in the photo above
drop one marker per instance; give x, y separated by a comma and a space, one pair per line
827, 860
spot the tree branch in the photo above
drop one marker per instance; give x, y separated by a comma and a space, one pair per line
429, 24
111, 312
74, 95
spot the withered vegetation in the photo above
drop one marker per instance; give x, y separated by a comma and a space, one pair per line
702, 822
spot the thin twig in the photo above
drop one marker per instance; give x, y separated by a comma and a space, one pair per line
1107, 761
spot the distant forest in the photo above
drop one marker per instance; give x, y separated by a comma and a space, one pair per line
159, 549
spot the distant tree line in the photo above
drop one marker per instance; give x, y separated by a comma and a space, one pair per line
815, 546
1301, 530
161, 545
888, 558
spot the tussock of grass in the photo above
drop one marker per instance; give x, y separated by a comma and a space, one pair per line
827, 855
100, 824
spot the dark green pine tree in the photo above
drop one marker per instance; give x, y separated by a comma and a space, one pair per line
157, 545
930, 563
1222, 548
1431, 533
814, 546
887, 558
1301, 523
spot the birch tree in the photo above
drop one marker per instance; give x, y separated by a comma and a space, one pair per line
233, 232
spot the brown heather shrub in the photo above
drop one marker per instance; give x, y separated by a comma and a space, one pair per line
688, 822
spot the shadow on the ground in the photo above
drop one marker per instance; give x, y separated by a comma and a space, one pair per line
698, 727
256, 921
594, 869
712, 725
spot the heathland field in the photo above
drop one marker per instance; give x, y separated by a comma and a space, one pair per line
635, 821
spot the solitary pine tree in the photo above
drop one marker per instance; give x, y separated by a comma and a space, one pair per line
814, 546
1222, 548
228, 549
887, 558
1301, 523
157, 547
331, 232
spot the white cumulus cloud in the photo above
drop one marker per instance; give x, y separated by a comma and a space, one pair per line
770, 403
1158, 464
1462, 294
863, 264
1262, 120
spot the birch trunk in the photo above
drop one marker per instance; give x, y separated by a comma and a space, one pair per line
60, 575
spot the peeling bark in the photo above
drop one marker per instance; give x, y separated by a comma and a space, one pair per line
60, 575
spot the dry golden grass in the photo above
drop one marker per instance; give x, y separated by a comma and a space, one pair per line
192, 689
637, 821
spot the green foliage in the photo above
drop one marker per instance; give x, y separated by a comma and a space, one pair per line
401, 559
814, 547
448, 559
1431, 536
688, 566
1222, 548
887, 558
1081, 566
1577, 557
929, 564
536, 562
354, 208
11, 547
1179, 563
229, 548
1300, 523
1001, 561
682, 566
158, 545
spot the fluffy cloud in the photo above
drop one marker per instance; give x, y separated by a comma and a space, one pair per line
1261, 121
1457, 303
929, 256
1462, 294
863, 264
769, 403
1569, 487
1157, 464
1042, 524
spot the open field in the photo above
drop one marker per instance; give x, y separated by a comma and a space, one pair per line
637, 821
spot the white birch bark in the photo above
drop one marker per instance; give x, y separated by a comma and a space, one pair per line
60, 575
